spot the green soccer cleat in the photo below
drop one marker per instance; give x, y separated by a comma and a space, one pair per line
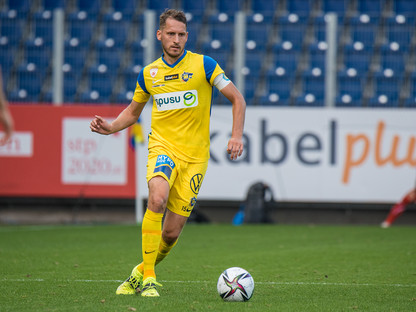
149, 287
131, 285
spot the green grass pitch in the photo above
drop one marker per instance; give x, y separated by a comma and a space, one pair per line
295, 268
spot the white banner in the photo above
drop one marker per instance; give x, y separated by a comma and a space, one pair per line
90, 158
314, 154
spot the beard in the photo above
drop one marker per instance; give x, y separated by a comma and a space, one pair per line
173, 53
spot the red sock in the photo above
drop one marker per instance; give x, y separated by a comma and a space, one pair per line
395, 212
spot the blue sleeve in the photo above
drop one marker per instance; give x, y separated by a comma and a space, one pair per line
209, 67
140, 80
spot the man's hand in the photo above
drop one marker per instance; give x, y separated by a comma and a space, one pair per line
235, 148
100, 125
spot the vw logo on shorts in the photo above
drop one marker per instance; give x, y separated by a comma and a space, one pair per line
196, 182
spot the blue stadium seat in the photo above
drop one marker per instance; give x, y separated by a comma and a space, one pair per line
194, 29
346, 100
273, 99
124, 96
337, 6
317, 52
43, 26
221, 27
35, 51
292, 27
279, 82
308, 100
412, 85
30, 79
358, 56
21, 95
319, 24
72, 80
94, 97
160, 5
371, 7
21, 7
92, 7
314, 83
350, 87
405, 7
258, 30
400, 29
7, 57
386, 88
393, 56
125, 7
109, 54
75, 54
250, 87
254, 60
230, 6
410, 102
129, 77
265, 7
286, 57
50, 5
137, 53
80, 25
300, 7
196, 8
116, 27
101, 79
364, 28
11, 27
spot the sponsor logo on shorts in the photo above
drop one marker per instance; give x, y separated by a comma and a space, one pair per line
164, 164
196, 182
176, 100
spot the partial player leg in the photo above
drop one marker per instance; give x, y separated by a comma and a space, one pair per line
398, 209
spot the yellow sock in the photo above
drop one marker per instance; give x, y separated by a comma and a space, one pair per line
164, 250
151, 237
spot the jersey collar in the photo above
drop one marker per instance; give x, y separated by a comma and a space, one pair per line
176, 63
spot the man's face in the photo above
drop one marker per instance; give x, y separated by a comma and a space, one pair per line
173, 37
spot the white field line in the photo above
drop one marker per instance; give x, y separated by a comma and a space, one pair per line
25, 280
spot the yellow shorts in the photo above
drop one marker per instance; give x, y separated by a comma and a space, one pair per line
184, 178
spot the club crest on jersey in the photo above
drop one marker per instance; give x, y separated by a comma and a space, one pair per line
153, 71
186, 76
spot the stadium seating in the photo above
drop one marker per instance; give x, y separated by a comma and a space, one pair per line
357, 56
386, 89
42, 26
393, 56
375, 37
11, 27
364, 28
292, 27
350, 87
400, 29
405, 7
81, 25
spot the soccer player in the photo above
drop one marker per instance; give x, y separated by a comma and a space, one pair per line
399, 208
181, 83
6, 119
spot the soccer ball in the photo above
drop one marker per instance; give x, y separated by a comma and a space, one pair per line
235, 284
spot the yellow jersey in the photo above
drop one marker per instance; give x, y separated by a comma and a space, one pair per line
182, 99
